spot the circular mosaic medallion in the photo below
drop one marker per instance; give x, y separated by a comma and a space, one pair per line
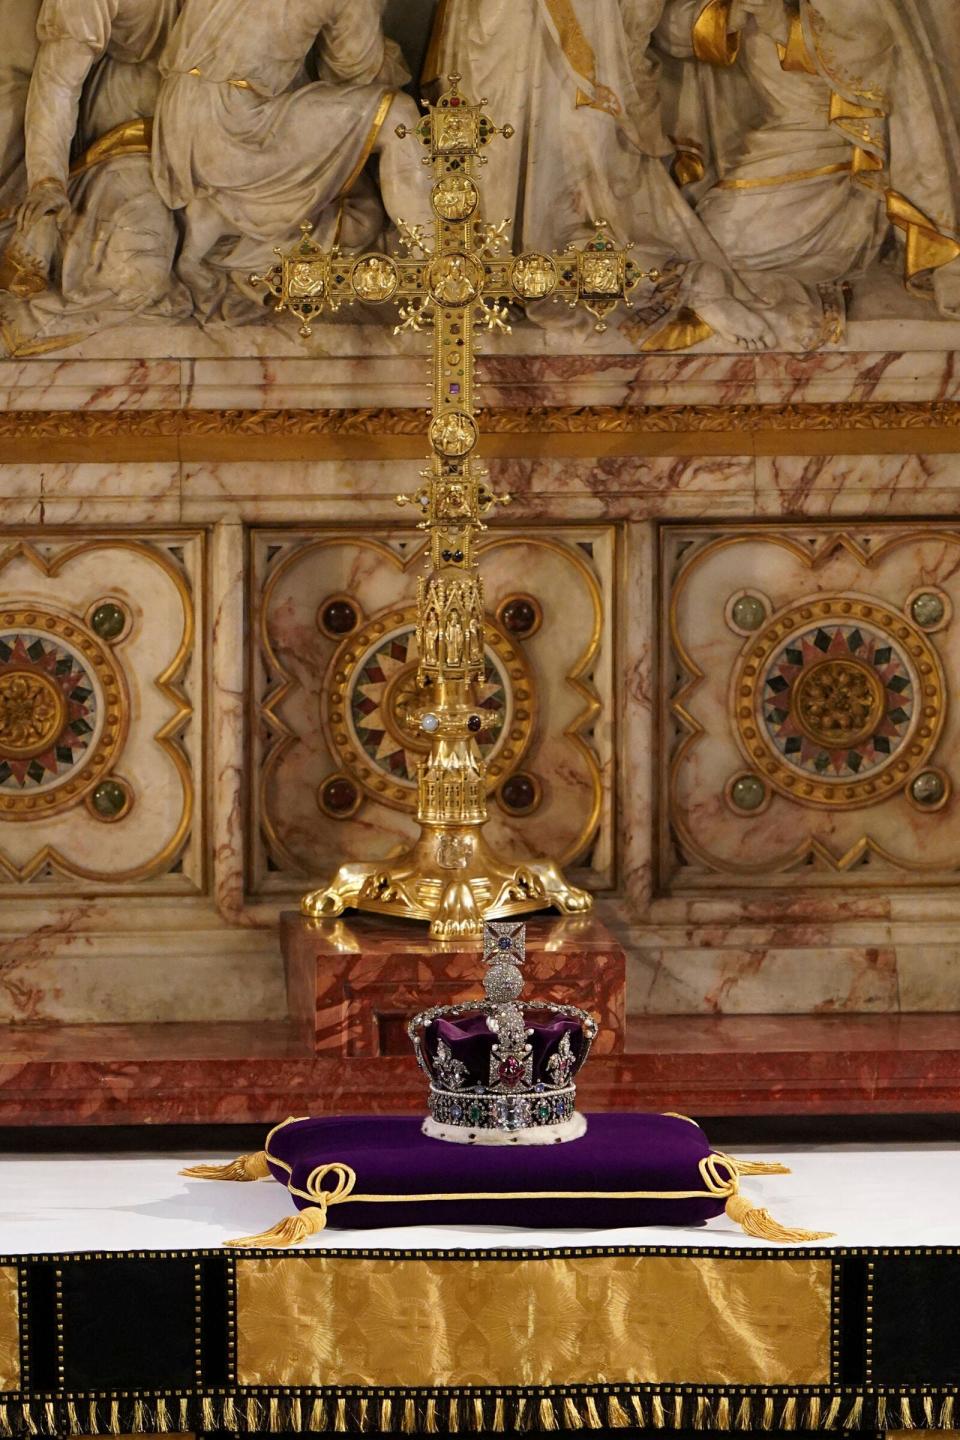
839, 701
373, 700
62, 712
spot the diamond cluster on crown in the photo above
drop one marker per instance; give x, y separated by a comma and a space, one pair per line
512, 1097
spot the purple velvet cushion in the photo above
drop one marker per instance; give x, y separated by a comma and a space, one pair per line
391, 1157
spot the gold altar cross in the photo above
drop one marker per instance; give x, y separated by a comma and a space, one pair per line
458, 279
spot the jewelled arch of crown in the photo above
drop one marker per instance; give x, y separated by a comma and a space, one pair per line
512, 1104
455, 280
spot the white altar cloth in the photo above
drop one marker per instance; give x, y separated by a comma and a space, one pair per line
894, 1195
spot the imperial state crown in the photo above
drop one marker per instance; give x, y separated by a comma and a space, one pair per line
501, 1071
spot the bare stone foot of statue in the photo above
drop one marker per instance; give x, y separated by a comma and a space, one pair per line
731, 320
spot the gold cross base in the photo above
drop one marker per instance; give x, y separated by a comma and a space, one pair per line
452, 879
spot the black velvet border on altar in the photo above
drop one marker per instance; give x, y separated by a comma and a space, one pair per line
120, 1343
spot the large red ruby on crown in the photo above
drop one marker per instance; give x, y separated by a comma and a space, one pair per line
510, 1070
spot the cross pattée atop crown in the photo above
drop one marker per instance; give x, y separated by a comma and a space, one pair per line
502, 1071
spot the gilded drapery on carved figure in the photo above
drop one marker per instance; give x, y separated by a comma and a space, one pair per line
763, 154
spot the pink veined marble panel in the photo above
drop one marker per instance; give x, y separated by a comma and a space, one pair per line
354, 984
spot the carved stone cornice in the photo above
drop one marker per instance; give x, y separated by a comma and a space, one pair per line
848, 427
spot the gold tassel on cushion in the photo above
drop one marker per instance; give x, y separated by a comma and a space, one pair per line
245, 1167
409, 1423
479, 1418
946, 1414
318, 1417
430, 1417
766, 1419
340, 1416
617, 1417
656, 1410
230, 1419
788, 1419
928, 1411
386, 1415
499, 1416
637, 1412
813, 1413
745, 1414
289, 1231
906, 1415
761, 1224
721, 1417
520, 1417
363, 1415
882, 1413
453, 1415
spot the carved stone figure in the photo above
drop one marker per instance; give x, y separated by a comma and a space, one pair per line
18, 26
98, 223
820, 123
578, 80
246, 147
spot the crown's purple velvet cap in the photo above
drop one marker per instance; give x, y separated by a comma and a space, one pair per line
391, 1156
471, 1041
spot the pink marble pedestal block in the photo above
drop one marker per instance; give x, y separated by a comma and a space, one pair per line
353, 985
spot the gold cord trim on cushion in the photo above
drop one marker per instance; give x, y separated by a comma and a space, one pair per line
713, 40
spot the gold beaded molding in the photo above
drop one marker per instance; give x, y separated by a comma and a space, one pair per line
921, 427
